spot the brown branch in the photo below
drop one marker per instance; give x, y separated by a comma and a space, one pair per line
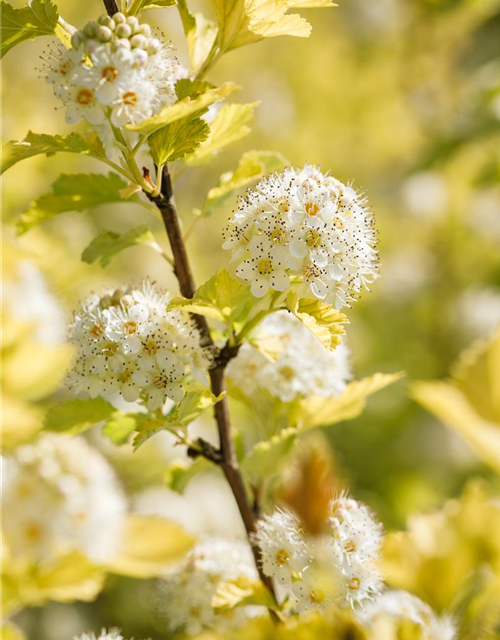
225, 457
111, 7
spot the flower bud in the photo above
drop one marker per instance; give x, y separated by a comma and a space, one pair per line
133, 23
77, 39
90, 29
123, 43
153, 47
140, 57
144, 30
119, 18
138, 42
104, 34
106, 21
123, 31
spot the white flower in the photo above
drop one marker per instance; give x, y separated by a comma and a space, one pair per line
303, 366
115, 71
186, 592
357, 541
283, 547
129, 343
320, 585
60, 496
111, 634
401, 605
304, 229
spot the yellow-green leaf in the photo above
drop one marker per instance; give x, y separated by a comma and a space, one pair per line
178, 139
37, 143
108, 244
75, 416
180, 473
322, 319
37, 18
183, 108
317, 411
264, 459
200, 35
149, 546
242, 592
222, 297
252, 166
229, 125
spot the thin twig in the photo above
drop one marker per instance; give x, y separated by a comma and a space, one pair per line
225, 457
111, 7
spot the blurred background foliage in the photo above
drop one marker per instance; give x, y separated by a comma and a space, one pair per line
402, 97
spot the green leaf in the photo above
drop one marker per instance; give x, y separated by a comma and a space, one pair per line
183, 108
228, 126
200, 35
37, 18
142, 5
317, 411
188, 88
222, 298
252, 166
149, 546
121, 425
75, 192
188, 409
265, 458
181, 472
108, 244
75, 416
176, 140
37, 143
321, 319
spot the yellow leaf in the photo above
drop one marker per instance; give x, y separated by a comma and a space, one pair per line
150, 545
320, 318
317, 411
20, 422
242, 592
183, 108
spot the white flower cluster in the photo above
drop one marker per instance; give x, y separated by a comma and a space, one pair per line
302, 226
336, 570
129, 343
114, 70
111, 634
59, 496
401, 605
186, 593
303, 366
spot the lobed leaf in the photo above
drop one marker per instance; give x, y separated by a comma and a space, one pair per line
37, 18
75, 416
121, 426
323, 320
108, 244
222, 297
200, 35
265, 458
185, 107
228, 126
149, 546
176, 140
181, 472
188, 409
74, 192
38, 143
252, 166
317, 411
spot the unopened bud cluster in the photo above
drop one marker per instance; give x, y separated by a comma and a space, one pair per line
129, 343
338, 569
114, 70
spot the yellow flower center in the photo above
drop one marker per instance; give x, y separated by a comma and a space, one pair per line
313, 238
350, 546
130, 327
110, 349
65, 67
265, 267
130, 98
278, 236
151, 348
338, 223
110, 74
124, 377
32, 532
354, 584
316, 596
85, 97
312, 208
284, 206
97, 330
287, 372
282, 556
